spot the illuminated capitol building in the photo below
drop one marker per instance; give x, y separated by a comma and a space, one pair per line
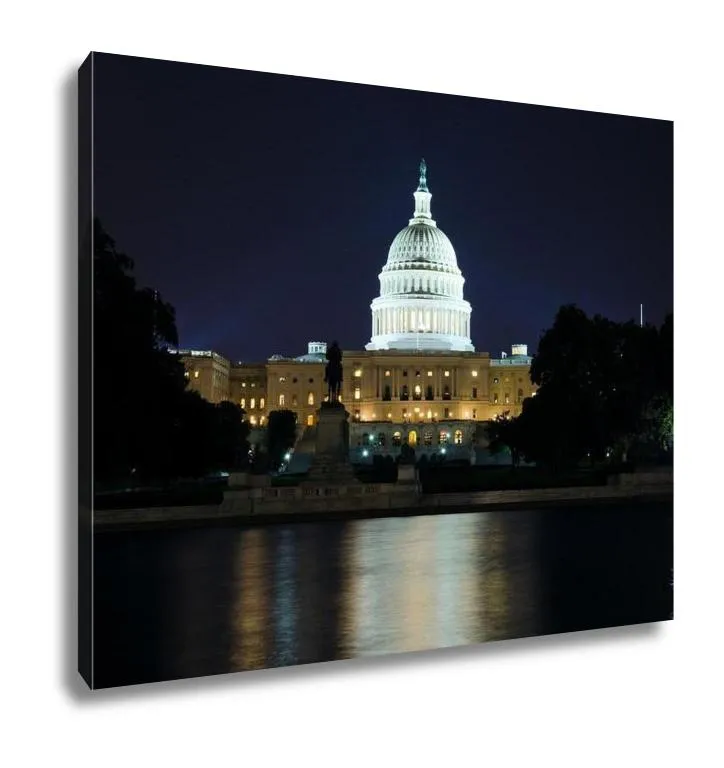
419, 379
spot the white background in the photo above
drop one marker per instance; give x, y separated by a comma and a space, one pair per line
641, 696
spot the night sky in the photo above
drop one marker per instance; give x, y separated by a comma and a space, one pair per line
263, 206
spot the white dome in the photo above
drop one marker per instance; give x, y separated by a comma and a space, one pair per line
421, 304
422, 246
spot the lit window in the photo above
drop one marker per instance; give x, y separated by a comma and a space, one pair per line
389, 415
496, 380
310, 398
261, 402
243, 384
356, 415
253, 420
310, 420
458, 437
358, 373
294, 400
387, 373
261, 420
429, 373
252, 403
418, 389
447, 373
475, 413
495, 398
357, 393
429, 414
281, 400
475, 373
475, 392
507, 399
243, 402
253, 384
196, 374
282, 379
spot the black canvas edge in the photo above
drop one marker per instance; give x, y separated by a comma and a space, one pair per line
85, 370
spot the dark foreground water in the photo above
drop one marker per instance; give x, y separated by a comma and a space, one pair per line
182, 603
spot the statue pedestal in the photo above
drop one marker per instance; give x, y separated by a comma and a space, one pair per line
330, 464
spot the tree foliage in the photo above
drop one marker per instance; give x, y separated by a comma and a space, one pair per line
146, 423
280, 434
604, 388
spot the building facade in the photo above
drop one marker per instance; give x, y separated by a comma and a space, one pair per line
418, 381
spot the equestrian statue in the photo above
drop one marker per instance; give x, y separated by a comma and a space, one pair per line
333, 372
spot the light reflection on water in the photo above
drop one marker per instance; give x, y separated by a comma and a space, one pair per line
195, 602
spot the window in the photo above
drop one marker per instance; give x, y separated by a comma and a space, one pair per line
310, 420
310, 398
404, 393
311, 381
261, 402
429, 373
357, 393
252, 403
281, 400
417, 374
294, 380
507, 399
389, 415
427, 437
294, 400
253, 384
475, 392
458, 437
520, 395
429, 415
412, 438
496, 380
446, 413
475, 413
447, 373
404, 373
282, 379
358, 373
474, 373
252, 421
381, 439
446, 393
387, 393
196, 374
243, 402
387, 373
429, 395
396, 439
243, 385
417, 392
495, 398
356, 415
443, 437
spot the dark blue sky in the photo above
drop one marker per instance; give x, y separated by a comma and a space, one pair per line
263, 206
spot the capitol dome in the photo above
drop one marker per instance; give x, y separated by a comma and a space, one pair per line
421, 304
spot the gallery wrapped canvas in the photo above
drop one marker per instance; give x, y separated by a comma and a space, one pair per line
363, 370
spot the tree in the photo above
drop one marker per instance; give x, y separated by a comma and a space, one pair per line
504, 433
137, 386
281, 434
599, 382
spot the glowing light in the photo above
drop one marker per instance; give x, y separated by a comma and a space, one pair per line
429, 373
372, 438
447, 373
358, 373
443, 450
196, 374
365, 453
287, 456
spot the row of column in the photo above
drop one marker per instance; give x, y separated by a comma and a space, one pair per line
410, 320
396, 381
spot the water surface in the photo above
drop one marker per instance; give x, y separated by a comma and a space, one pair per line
200, 601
